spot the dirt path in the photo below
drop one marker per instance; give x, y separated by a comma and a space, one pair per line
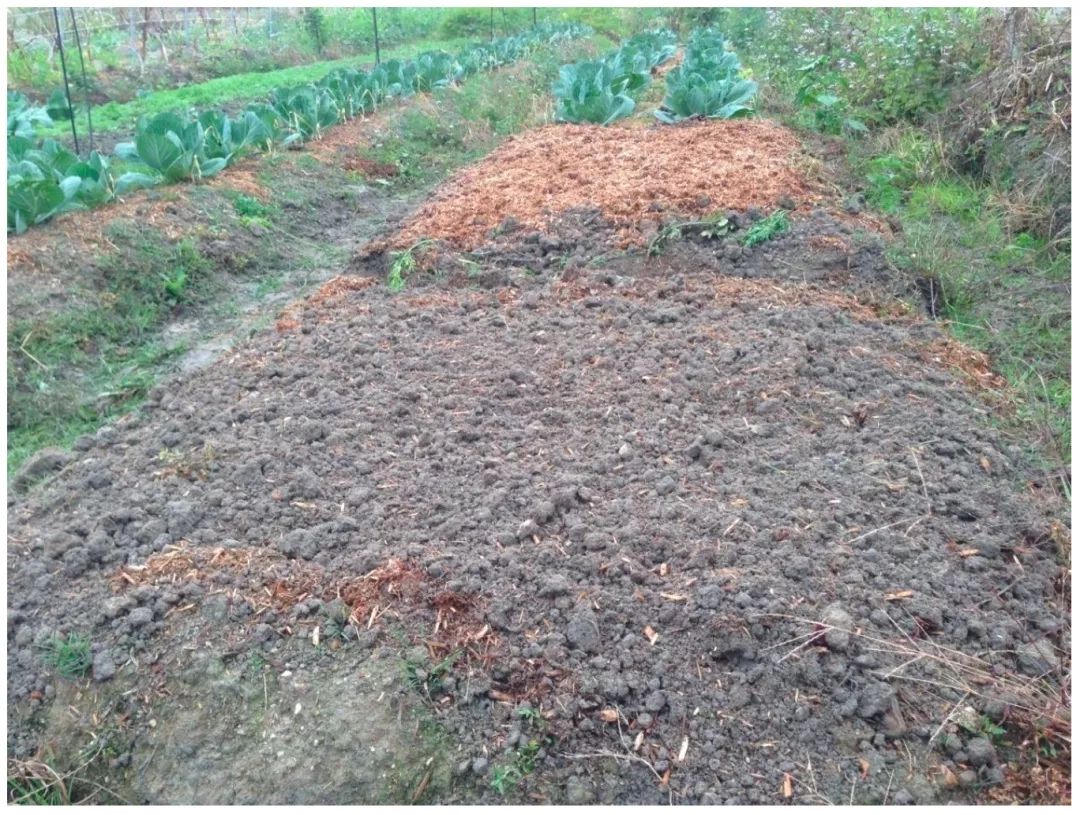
559, 524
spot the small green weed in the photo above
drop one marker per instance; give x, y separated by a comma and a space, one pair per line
256, 664
70, 655
176, 282
528, 714
985, 726
526, 757
336, 624
505, 777
428, 681
767, 228
32, 789
992, 730
404, 263
248, 206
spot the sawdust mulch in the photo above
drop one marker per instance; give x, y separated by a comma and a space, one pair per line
632, 175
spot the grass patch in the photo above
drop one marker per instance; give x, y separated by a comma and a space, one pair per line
72, 370
248, 206
425, 143
34, 783
70, 655
1005, 292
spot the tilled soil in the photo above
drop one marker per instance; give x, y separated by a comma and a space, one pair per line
632, 530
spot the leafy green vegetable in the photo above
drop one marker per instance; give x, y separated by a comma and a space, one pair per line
307, 110
57, 106
592, 91
173, 148
400, 77
692, 94
654, 47
629, 71
708, 83
436, 69
227, 138
49, 179
23, 116
599, 91
349, 92
45, 180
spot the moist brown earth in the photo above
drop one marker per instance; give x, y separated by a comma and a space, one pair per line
555, 524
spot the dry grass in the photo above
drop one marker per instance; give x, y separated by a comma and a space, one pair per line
35, 782
1029, 90
1039, 709
397, 589
972, 364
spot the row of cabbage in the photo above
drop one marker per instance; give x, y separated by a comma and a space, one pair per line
600, 91
45, 178
709, 83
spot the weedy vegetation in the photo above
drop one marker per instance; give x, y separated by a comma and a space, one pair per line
403, 264
69, 655
767, 228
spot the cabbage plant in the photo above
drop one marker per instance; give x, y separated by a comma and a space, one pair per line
692, 94
400, 77
22, 116
436, 69
227, 138
45, 180
173, 148
591, 91
307, 110
654, 47
708, 83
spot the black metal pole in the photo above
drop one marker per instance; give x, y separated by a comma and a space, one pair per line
63, 67
534, 16
375, 23
492, 25
86, 85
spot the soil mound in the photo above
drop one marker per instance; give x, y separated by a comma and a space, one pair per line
631, 175
636, 533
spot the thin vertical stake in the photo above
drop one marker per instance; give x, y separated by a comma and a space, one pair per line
67, 87
86, 85
492, 24
375, 24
